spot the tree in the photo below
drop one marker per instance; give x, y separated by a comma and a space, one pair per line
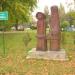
64, 24
70, 16
18, 9
74, 5
46, 12
70, 4
61, 13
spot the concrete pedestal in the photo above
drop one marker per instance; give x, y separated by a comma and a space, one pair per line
49, 55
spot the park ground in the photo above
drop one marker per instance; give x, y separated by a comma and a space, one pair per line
13, 58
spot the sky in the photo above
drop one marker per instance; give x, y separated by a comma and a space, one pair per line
42, 3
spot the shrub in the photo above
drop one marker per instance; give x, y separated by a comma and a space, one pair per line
27, 38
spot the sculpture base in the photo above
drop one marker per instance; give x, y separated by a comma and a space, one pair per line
49, 55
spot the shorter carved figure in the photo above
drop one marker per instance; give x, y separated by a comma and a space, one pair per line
41, 32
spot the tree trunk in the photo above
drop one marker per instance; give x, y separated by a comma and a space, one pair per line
16, 25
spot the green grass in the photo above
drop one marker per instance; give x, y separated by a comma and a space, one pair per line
15, 61
68, 40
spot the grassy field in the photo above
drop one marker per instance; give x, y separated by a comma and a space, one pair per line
14, 61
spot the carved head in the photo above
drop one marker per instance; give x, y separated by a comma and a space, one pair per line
40, 16
54, 9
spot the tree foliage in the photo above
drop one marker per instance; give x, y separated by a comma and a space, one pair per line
64, 24
46, 12
61, 13
70, 16
19, 10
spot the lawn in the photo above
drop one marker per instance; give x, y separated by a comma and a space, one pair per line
14, 61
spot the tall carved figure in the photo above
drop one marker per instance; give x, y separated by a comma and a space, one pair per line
55, 29
41, 32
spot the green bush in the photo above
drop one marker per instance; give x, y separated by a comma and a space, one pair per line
64, 24
27, 38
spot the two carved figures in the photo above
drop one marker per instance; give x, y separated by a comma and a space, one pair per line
54, 34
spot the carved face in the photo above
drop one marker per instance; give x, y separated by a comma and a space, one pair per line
54, 9
39, 15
